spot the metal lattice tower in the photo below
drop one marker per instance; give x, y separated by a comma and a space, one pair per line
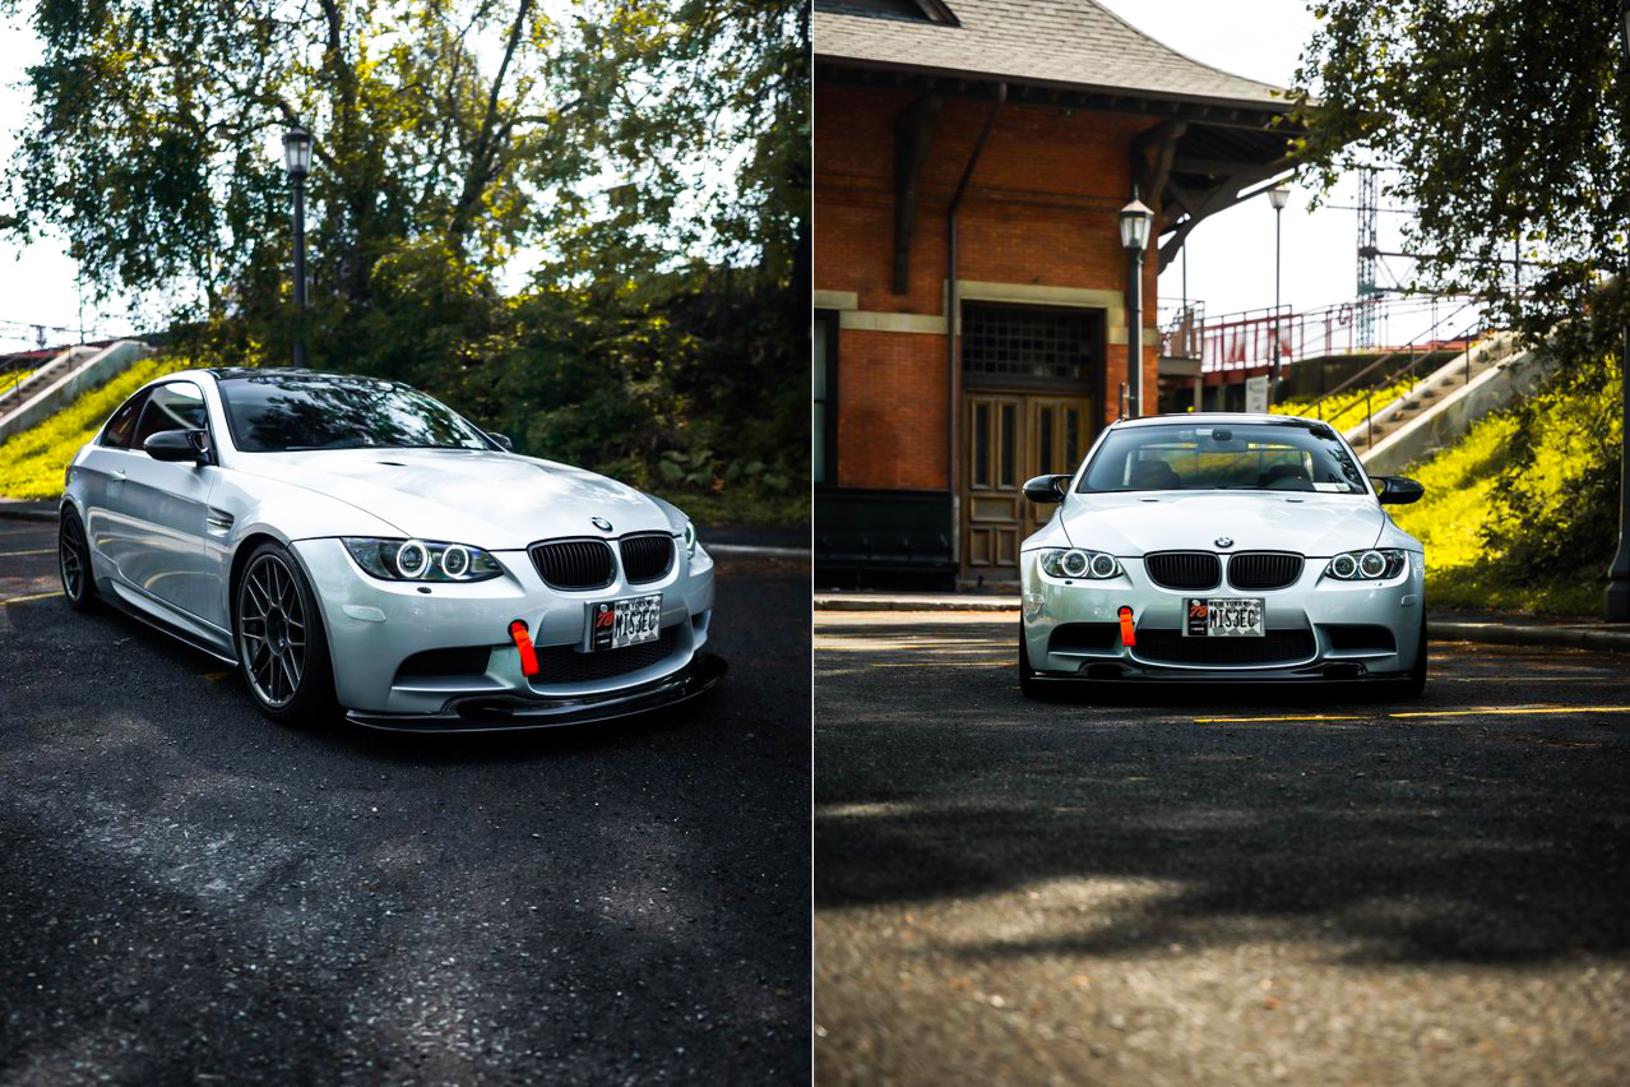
1368, 292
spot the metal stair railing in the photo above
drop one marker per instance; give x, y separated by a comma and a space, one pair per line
1473, 333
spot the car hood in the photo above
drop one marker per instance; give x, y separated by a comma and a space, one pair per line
1129, 524
499, 501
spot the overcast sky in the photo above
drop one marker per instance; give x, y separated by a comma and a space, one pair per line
1230, 256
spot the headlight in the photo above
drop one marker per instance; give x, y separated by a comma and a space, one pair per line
1078, 563
690, 537
421, 560
1372, 565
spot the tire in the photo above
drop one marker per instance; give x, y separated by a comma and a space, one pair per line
74, 562
1415, 685
281, 645
1027, 674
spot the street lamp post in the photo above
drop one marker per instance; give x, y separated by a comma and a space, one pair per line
1135, 222
1278, 196
1616, 601
297, 161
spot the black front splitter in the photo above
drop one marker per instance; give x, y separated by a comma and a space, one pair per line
486, 713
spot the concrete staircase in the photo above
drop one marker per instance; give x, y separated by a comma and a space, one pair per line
13, 393
1459, 372
66, 377
1491, 377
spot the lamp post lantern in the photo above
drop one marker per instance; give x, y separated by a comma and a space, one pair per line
1278, 196
1616, 601
1136, 219
297, 161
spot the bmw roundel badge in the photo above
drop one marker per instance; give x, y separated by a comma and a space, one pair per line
600, 523
1225, 541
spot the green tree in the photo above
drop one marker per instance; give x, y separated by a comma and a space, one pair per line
1505, 121
648, 159
1506, 124
470, 130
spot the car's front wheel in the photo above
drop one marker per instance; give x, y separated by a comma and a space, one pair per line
74, 562
282, 648
1415, 685
1027, 674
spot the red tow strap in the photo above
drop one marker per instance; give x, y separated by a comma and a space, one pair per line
1129, 636
523, 642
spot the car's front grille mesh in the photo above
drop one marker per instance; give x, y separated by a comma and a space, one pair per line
1189, 570
1173, 647
646, 558
565, 664
574, 564
1264, 569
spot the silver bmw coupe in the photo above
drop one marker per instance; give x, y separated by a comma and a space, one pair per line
1222, 547
354, 545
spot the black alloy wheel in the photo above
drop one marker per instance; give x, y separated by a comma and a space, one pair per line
74, 562
282, 650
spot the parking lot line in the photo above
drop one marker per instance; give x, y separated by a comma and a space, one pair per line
26, 599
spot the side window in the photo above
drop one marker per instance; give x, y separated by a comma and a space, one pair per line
176, 406
116, 435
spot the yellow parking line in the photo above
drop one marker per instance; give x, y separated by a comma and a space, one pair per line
26, 599
1511, 711
35, 551
1284, 717
1478, 711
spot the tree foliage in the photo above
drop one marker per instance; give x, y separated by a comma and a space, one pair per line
1505, 121
1506, 124
647, 161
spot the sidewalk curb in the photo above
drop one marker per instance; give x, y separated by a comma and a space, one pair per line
1457, 630
824, 602
755, 551
1617, 641
7, 514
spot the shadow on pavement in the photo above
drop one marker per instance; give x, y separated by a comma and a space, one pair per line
1479, 838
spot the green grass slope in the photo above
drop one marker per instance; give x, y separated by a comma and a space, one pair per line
32, 463
1518, 516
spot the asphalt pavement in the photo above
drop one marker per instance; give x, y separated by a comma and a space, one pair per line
1202, 887
191, 893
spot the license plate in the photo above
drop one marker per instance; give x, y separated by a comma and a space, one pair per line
1225, 617
614, 624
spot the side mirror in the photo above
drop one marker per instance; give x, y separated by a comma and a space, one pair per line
178, 445
1397, 491
503, 441
1046, 489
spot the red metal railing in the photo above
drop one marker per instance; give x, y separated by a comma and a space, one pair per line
1249, 340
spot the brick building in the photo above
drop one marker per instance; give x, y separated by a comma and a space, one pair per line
971, 157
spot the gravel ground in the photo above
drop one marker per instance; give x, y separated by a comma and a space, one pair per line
189, 893
1202, 889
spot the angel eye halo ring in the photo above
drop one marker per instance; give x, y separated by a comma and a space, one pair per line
1078, 564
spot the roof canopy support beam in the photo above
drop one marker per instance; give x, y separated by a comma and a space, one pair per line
1152, 155
1231, 190
913, 132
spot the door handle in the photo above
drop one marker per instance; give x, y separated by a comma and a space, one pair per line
119, 474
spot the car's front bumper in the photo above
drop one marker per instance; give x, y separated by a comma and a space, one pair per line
1315, 615
374, 627
510, 713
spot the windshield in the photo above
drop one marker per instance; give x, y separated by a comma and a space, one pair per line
283, 414
1246, 457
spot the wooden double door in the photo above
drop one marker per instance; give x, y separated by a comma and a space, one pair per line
1010, 437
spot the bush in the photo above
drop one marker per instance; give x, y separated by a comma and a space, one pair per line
1522, 513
